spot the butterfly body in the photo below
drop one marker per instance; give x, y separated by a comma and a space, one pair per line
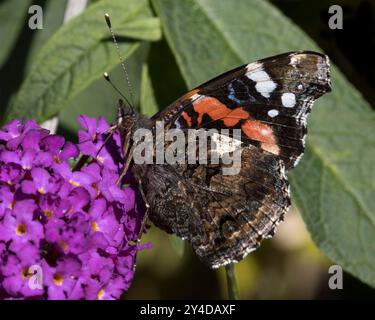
224, 217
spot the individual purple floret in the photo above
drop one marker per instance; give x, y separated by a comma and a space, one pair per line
64, 233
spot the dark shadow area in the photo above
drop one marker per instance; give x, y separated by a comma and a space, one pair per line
352, 48
162, 61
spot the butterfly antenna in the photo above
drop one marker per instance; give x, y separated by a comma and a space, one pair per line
108, 21
106, 76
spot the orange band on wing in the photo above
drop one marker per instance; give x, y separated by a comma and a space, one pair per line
258, 131
210, 106
233, 117
253, 129
217, 110
187, 119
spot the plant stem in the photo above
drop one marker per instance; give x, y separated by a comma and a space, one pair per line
232, 286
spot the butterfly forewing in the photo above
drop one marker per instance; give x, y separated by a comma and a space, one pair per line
269, 100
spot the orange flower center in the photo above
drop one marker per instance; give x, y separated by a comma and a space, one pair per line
41, 190
58, 279
74, 183
95, 226
48, 213
101, 294
21, 230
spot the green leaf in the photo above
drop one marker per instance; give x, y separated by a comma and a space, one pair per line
144, 29
12, 18
148, 103
334, 185
77, 54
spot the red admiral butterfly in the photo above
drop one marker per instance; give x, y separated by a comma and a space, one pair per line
224, 217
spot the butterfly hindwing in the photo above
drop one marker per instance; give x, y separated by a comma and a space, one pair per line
224, 217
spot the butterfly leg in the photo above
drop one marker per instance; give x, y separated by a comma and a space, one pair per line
111, 131
145, 217
84, 158
128, 159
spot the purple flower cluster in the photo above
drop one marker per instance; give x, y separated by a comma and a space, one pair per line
64, 233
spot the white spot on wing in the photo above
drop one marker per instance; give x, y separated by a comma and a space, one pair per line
264, 84
288, 100
272, 113
254, 66
297, 58
265, 88
259, 76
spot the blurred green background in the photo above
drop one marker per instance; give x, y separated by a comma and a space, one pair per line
289, 266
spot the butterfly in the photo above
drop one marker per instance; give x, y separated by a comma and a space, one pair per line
225, 217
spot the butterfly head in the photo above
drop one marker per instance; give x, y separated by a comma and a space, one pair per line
129, 120
126, 116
